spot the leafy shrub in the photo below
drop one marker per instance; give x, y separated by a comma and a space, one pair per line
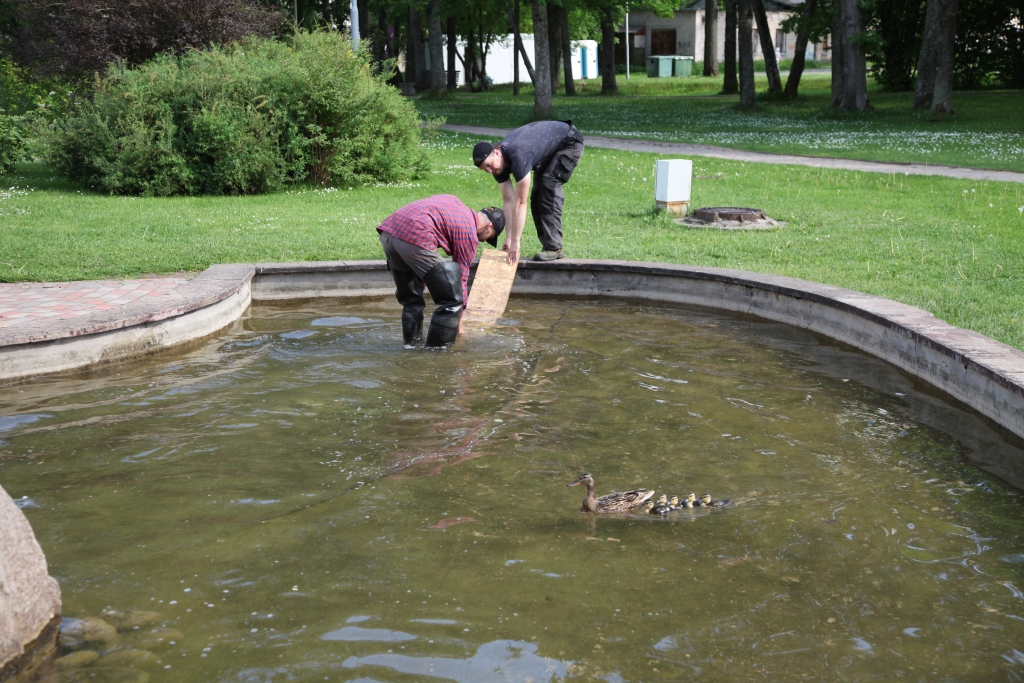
75, 39
12, 140
246, 118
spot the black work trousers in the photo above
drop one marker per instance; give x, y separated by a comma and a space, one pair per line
547, 197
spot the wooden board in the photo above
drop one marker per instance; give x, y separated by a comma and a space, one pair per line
491, 287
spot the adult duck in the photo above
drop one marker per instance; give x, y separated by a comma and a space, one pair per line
613, 502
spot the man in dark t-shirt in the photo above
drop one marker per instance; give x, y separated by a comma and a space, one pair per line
551, 149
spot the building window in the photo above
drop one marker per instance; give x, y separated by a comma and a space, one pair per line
663, 41
780, 41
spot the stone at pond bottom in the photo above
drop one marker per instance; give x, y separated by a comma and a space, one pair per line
130, 619
159, 638
109, 675
77, 659
73, 632
129, 657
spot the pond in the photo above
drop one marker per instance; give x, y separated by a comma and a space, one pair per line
301, 499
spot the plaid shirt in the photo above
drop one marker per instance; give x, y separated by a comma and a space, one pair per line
439, 221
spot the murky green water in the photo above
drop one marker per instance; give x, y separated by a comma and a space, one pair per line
283, 497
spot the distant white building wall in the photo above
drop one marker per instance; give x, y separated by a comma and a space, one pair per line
500, 65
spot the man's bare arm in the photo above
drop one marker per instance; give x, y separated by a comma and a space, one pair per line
514, 201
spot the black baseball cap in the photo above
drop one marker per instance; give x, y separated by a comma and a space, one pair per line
497, 218
481, 151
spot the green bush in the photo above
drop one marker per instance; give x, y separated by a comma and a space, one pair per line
12, 140
246, 118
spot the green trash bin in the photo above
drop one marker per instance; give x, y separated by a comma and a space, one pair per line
682, 67
659, 67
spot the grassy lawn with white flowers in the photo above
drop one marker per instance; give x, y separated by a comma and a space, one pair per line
986, 132
953, 247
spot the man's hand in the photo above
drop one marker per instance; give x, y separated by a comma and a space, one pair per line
511, 252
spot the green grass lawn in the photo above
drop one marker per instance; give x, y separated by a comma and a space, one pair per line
955, 248
986, 132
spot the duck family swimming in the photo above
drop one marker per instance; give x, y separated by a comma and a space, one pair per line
639, 499
613, 502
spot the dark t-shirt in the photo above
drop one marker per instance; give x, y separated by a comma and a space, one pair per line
531, 148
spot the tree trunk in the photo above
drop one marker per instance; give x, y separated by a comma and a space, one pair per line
855, 73
453, 46
748, 93
799, 57
729, 85
514, 20
555, 44
518, 41
469, 63
608, 84
542, 70
437, 80
942, 94
364, 17
570, 84
764, 34
837, 59
414, 65
710, 37
929, 55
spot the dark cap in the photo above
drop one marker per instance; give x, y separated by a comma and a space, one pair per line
481, 152
497, 218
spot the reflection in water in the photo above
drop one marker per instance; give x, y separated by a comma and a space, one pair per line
498, 661
236, 497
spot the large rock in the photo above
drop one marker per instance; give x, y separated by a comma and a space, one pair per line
29, 597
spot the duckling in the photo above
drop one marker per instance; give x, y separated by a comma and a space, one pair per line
707, 502
673, 503
691, 499
647, 507
661, 508
613, 502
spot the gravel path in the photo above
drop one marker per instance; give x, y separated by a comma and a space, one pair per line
770, 158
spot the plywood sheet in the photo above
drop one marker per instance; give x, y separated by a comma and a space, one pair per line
491, 287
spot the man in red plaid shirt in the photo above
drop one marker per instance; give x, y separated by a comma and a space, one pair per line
411, 237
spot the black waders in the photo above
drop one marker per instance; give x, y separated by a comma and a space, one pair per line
409, 291
444, 281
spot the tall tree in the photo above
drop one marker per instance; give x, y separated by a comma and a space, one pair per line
608, 84
414, 55
436, 39
453, 50
570, 84
935, 64
837, 58
710, 37
729, 83
519, 48
516, 40
542, 70
855, 74
942, 94
555, 44
748, 93
804, 31
764, 34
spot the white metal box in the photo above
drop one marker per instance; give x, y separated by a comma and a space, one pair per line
672, 185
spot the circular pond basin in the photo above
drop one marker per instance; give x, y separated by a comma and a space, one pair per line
300, 499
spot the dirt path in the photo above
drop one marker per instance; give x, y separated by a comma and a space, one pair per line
770, 158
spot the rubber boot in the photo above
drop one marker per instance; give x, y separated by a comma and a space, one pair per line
445, 284
409, 292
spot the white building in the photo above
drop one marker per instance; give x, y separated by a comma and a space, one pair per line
683, 34
500, 65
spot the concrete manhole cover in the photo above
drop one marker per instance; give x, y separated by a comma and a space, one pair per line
729, 218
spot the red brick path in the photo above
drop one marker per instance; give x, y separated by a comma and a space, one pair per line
22, 302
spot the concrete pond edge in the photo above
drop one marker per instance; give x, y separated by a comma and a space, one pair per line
973, 369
